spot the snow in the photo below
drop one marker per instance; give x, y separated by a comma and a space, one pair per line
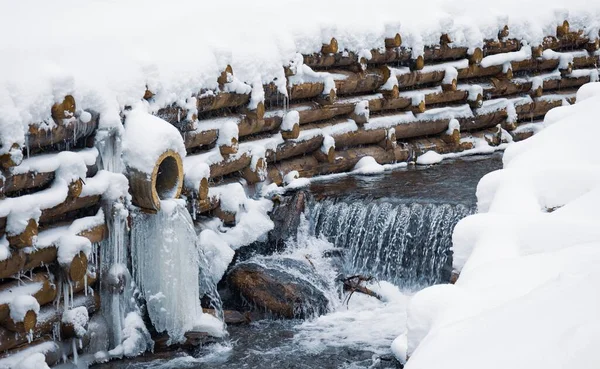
32, 357
252, 219
77, 318
290, 119
502, 59
217, 251
20, 305
40, 68
227, 132
368, 165
142, 128
527, 261
430, 157
135, 337
67, 164
194, 173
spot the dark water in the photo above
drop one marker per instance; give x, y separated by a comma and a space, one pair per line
395, 227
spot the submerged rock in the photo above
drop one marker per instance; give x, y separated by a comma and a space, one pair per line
278, 289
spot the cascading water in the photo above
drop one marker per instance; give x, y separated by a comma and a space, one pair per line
166, 262
406, 244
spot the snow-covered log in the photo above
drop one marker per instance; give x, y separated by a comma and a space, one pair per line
291, 148
256, 171
63, 132
164, 182
212, 101
331, 47
24, 238
348, 83
47, 317
39, 285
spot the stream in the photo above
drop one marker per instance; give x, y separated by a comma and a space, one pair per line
395, 227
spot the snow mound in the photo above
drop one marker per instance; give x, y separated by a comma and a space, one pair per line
528, 260
368, 165
430, 157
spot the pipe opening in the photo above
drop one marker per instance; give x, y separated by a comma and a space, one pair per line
167, 178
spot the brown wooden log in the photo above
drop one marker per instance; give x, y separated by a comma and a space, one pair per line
309, 166
63, 110
393, 42
306, 90
45, 295
227, 217
539, 108
318, 60
207, 205
291, 148
389, 142
38, 137
26, 260
25, 238
165, 181
256, 174
565, 83
354, 83
179, 117
331, 47
56, 213
418, 63
500, 46
231, 165
420, 78
292, 134
563, 29
25, 181
200, 139
500, 87
225, 76
28, 323
477, 71
444, 52
231, 148
12, 158
213, 101
436, 97
422, 145
482, 120
49, 316
504, 32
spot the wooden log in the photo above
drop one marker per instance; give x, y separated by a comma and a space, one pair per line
63, 110
422, 145
211, 101
229, 148
256, 171
165, 181
331, 47
291, 148
483, 119
420, 78
354, 83
565, 83
539, 108
477, 71
199, 139
500, 87
291, 134
12, 158
563, 29
44, 295
436, 97
26, 237
504, 32
69, 205
205, 206
318, 60
24, 260
418, 63
227, 217
231, 165
444, 52
49, 316
392, 42
39, 137
501, 46
493, 136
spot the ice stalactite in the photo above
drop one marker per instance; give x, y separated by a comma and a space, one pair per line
166, 263
117, 289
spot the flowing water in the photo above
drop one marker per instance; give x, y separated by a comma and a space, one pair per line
395, 227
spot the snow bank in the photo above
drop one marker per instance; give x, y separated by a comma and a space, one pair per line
430, 157
528, 261
45, 62
368, 165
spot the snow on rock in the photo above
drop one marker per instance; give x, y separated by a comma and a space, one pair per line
527, 261
146, 138
430, 157
368, 165
20, 305
77, 318
217, 251
252, 219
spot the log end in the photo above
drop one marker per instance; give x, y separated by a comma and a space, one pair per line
476, 57
503, 33
148, 94
75, 189
227, 217
331, 47
593, 45
447, 87
418, 63
256, 174
537, 51
78, 267
394, 93
203, 190
25, 238
393, 42
539, 91
445, 39
293, 134
224, 76
229, 149
420, 108
477, 103
63, 110
563, 29
12, 158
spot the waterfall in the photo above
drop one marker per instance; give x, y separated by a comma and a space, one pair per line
165, 264
406, 244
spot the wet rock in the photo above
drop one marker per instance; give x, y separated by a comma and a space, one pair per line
286, 288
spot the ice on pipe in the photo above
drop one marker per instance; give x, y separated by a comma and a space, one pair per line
165, 263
